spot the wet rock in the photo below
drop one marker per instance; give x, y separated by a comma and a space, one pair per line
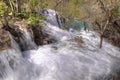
5, 42
13, 29
77, 40
25, 35
38, 35
41, 38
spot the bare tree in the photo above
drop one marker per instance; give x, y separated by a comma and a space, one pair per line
102, 26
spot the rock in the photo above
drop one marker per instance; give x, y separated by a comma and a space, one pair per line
38, 36
41, 38
5, 42
77, 40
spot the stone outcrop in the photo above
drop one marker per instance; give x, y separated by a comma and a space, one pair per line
41, 38
5, 42
37, 34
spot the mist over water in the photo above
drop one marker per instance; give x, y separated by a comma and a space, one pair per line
65, 59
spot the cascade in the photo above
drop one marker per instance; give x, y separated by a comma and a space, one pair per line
75, 56
69, 60
14, 67
26, 38
53, 17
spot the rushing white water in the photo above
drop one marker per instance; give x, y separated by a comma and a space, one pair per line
53, 18
14, 67
27, 40
57, 33
67, 59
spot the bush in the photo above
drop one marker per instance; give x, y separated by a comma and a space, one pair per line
22, 15
3, 8
33, 20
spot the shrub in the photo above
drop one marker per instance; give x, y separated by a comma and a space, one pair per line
33, 20
3, 8
22, 15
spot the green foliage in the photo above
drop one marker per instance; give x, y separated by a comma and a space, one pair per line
22, 15
33, 1
33, 20
45, 4
68, 8
3, 8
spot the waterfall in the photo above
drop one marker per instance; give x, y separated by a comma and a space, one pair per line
14, 67
53, 17
75, 56
26, 38
57, 33
70, 60
14, 44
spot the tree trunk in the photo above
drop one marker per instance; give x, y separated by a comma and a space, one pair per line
101, 40
18, 6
